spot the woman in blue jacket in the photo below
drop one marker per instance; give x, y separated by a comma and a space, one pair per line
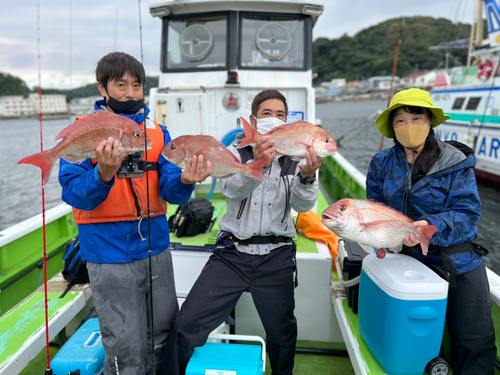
434, 183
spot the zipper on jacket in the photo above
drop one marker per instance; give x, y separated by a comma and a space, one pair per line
262, 197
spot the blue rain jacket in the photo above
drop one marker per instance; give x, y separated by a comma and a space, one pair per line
119, 242
446, 197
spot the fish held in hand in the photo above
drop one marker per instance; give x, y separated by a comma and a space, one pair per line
224, 163
293, 139
80, 140
374, 225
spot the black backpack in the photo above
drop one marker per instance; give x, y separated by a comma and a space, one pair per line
192, 218
75, 269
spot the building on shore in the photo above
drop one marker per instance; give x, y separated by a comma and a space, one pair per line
17, 106
423, 79
53, 105
12, 106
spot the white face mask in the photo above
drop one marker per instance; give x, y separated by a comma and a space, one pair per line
268, 123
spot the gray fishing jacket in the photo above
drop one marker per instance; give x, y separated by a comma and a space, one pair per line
255, 208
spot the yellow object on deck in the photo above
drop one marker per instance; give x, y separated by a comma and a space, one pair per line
310, 223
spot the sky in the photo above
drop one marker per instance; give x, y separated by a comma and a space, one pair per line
75, 34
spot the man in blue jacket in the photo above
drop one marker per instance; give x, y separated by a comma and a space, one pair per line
111, 211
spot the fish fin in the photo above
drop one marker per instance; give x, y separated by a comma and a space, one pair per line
73, 159
97, 114
255, 168
367, 248
375, 224
201, 151
44, 160
426, 233
250, 134
396, 249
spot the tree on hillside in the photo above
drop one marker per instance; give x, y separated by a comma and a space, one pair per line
10, 85
371, 51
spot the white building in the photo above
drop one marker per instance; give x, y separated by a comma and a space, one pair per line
15, 106
52, 104
382, 82
83, 106
423, 80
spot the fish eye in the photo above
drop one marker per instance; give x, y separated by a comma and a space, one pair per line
173, 147
342, 207
327, 140
137, 134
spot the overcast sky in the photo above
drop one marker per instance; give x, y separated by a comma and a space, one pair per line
69, 54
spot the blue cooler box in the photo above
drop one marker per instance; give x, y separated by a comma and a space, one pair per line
402, 308
83, 351
228, 359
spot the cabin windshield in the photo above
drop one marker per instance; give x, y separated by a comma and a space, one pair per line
271, 41
197, 42
230, 40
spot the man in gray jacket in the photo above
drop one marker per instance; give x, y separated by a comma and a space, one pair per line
256, 252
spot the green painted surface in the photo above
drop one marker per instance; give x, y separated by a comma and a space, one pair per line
470, 117
20, 324
20, 255
337, 183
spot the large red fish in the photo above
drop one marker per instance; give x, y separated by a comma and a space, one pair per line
293, 139
224, 163
80, 140
374, 225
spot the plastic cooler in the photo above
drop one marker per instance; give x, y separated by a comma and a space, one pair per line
228, 359
83, 351
402, 308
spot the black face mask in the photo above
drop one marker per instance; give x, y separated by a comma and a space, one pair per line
130, 107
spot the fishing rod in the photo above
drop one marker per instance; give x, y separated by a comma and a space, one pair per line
150, 267
394, 69
48, 370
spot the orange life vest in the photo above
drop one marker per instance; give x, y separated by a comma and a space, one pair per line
127, 199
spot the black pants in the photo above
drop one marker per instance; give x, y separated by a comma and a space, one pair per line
470, 324
227, 274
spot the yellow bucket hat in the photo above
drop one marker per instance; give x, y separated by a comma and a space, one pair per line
411, 97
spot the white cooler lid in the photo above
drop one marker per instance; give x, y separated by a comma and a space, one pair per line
403, 277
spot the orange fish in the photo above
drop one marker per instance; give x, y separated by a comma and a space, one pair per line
224, 163
374, 225
293, 139
80, 140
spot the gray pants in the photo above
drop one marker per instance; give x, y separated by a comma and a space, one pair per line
121, 297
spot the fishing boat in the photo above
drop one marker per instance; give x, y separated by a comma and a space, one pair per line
216, 56
471, 94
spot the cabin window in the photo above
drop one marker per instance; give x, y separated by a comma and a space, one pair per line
196, 42
272, 41
459, 102
473, 103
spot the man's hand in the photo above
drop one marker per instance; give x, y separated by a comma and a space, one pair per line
410, 240
264, 149
109, 160
194, 170
313, 162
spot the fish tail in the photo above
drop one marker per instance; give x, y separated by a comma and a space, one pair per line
255, 168
250, 134
426, 233
44, 160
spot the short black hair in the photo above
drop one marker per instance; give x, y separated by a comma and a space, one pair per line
114, 65
265, 95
